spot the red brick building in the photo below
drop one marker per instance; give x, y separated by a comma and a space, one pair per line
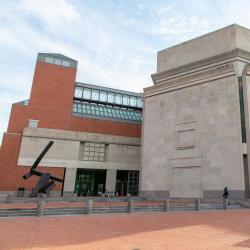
96, 131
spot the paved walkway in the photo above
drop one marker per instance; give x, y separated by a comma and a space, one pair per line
160, 231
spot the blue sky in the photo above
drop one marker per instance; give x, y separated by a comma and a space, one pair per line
115, 42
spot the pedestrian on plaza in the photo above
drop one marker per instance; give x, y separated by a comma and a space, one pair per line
225, 193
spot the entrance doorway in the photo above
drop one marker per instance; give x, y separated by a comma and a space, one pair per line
127, 182
90, 182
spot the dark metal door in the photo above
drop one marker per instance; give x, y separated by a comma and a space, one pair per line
133, 183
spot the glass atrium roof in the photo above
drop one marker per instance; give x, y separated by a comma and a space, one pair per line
107, 103
106, 111
108, 96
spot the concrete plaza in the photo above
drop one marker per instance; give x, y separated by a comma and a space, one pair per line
174, 230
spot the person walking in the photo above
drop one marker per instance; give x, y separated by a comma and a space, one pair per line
225, 193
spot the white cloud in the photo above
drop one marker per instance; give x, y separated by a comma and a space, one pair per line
107, 55
114, 42
54, 13
172, 24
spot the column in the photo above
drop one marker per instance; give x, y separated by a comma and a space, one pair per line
69, 181
110, 180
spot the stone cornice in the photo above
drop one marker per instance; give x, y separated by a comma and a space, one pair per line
236, 54
80, 136
209, 74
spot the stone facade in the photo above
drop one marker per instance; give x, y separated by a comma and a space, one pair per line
121, 153
192, 136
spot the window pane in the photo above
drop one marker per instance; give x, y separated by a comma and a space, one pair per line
139, 102
95, 95
58, 61
132, 101
118, 99
79, 108
103, 96
33, 123
66, 63
111, 97
125, 100
86, 93
49, 60
78, 92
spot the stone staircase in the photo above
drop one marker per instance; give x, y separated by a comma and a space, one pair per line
65, 211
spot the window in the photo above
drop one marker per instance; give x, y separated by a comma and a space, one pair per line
125, 100
58, 61
33, 123
95, 95
111, 97
93, 151
78, 92
86, 93
65, 63
49, 60
139, 103
132, 101
103, 96
106, 111
118, 98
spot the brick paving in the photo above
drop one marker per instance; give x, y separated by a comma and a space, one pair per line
175, 230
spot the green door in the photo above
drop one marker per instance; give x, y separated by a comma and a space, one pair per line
90, 182
84, 184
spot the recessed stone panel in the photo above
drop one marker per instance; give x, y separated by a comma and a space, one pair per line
186, 135
185, 139
186, 182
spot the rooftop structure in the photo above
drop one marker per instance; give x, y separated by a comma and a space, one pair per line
57, 59
204, 47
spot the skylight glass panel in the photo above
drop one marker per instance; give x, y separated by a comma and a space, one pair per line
86, 93
132, 101
118, 99
78, 92
103, 96
139, 103
106, 111
111, 97
125, 100
95, 95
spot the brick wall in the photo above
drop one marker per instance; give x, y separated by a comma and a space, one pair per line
51, 101
11, 174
